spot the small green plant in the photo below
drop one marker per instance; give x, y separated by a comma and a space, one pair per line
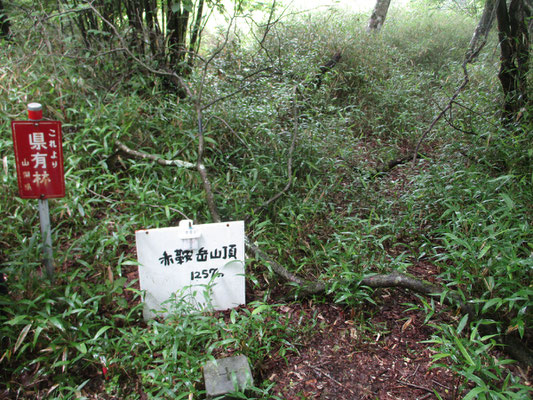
484, 376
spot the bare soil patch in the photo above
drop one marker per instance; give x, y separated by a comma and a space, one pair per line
343, 359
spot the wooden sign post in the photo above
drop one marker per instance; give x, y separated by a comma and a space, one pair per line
39, 162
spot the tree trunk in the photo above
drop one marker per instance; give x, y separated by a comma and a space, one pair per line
378, 15
134, 12
194, 42
177, 21
528, 4
513, 35
482, 30
154, 32
4, 22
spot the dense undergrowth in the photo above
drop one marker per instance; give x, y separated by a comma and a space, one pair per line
466, 206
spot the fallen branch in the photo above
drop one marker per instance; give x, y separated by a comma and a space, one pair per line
320, 371
141, 155
397, 279
305, 286
513, 345
184, 164
414, 386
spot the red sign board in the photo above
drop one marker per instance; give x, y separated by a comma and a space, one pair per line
39, 159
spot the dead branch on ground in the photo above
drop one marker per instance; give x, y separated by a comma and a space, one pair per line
394, 279
513, 345
392, 164
145, 156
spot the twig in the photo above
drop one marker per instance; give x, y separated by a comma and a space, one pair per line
322, 372
232, 131
289, 161
475, 112
59, 14
268, 24
415, 386
104, 53
449, 122
106, 199
267, 28
198, 102
466, 79
237, 91
158, 159
171, 74
416, 370
440, 384
471, 54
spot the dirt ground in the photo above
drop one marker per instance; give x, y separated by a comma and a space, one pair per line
341, 360
382, 356
375, 352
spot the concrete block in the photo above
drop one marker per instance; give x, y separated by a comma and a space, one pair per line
227, 375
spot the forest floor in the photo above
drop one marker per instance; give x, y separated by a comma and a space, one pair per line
375, 352
343, 360
372, 352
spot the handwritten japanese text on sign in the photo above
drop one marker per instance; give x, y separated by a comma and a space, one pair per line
39, 159
167, 267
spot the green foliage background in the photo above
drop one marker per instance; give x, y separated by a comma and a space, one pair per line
466, 207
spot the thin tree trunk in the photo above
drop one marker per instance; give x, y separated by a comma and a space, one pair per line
514, 47
150, 16
134, 14
80, 22
4, 22
177, 21
378, 15
482, 30
193, 48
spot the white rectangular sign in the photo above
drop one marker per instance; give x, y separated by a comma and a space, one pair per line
201, 264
